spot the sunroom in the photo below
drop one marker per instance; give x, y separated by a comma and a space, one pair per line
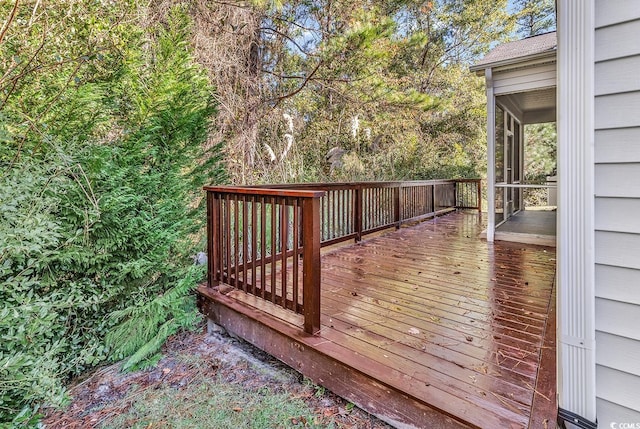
521, 90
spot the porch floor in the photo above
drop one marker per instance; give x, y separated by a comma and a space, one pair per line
427, 326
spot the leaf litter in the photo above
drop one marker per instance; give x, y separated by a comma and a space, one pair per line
101, 397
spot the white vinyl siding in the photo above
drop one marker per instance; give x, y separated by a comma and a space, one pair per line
618, 249
612, 214
618, 110
618, 145
524, 79
617, 41
612, 12
618, 284
617, 76
617, 210
613, 317
625, 358
618, 387
618, 180
613, 413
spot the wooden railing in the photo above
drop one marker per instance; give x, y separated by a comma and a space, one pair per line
265, 241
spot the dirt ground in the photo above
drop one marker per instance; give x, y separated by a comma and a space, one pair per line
98, 399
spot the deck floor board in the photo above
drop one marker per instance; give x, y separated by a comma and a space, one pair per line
447, 318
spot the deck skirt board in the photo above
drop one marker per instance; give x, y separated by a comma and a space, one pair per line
444, 325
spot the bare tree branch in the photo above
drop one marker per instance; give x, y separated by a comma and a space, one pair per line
9, 20
290, 39
277, 100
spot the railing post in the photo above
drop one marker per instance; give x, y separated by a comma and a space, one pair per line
479, 182
213, 238
357, 212
311, 264
433, 198
455, 193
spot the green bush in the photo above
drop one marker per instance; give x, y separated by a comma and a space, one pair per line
98, 224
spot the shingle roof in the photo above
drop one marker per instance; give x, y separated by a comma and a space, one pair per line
519, 49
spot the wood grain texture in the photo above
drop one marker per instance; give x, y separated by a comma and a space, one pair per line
451, 323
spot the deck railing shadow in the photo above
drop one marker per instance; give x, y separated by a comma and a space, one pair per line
266, 240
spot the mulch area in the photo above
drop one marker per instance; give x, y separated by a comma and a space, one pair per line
188, 356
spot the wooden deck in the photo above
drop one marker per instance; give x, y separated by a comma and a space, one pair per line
427, 326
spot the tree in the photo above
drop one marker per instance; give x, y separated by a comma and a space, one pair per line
103, 126
535, 17
295, 78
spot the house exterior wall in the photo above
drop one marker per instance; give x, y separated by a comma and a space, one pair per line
524, 79
617, 211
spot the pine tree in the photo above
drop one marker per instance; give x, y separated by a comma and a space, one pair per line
535, 17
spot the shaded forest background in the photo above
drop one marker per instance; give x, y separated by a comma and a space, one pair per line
113, 114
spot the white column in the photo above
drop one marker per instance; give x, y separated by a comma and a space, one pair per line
491, 155
575, 252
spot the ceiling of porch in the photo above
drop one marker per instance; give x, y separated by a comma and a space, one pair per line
532, 107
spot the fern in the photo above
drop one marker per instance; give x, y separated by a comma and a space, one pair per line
143, 329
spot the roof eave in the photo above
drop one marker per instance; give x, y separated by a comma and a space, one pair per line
479, 68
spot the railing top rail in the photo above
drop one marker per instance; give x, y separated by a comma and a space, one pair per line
348, 185
265, 191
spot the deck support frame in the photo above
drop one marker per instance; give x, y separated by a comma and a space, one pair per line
303, 353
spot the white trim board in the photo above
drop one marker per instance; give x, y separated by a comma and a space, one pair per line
576, 294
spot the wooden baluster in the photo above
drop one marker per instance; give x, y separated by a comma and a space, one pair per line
274, 251
343, 210
245, 244
337, 206
263, 246
213, 238
254, 243
397, 215
392, 205
340, 213
364, 210
368, 210
284, 238
296, 249
236, 236
332, 214
374, 207
357, 212
323, 218
227, 229
425, 200
371, 209
221, 234
479, 201
412, 196
433, 198
378, 206
381, 206
311, 264
387, 206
